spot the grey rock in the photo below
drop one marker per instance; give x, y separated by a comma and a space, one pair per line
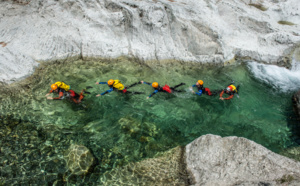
202, 31
213, 160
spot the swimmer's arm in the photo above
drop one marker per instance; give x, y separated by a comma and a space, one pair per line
143, 82
152, 93
106, 92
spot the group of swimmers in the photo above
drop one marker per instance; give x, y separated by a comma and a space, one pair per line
64, 90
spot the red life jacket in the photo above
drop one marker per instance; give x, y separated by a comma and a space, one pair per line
208, 91
167, 89
72, 93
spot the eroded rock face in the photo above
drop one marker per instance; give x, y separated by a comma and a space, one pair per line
79, 159
190, 30
213, 160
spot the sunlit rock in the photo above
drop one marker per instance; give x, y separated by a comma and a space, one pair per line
213, 160
190, 30
79, 159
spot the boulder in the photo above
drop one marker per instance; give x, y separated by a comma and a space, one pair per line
213, 160
79, 159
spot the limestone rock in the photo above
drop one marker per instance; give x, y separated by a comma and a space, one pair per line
213, 160
79, 159
187, 30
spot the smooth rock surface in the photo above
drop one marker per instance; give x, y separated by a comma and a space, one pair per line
79, 159
213, 160
211, 31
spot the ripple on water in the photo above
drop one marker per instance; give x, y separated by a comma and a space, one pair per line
123, 129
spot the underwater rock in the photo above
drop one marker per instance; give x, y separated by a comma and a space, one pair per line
79, 159
133, 127
28, 155
166, 168
202, 31
296, 101
213, 160
130, 125
293, 152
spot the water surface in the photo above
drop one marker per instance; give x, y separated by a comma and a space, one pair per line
119, 128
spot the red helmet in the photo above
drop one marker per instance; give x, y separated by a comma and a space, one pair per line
229, 88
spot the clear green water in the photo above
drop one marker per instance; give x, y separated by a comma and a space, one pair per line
119, 129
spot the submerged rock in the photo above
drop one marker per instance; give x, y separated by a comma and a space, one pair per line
29, 155
293, 152
79, 159
133, 127
166, 168
213, 160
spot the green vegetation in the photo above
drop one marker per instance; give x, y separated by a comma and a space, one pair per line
259, 6
285, 179
285, 23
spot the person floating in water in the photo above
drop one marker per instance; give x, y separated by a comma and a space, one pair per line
165, 88
64, 91
201, 89
116, 85
230, 90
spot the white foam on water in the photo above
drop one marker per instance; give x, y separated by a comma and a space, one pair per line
280, 78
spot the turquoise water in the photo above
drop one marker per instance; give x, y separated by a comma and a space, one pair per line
119, 129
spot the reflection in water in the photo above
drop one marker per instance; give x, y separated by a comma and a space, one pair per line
121, 129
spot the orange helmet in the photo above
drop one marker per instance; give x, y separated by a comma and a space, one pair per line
54, 86
110, 82
154, 84
200, 82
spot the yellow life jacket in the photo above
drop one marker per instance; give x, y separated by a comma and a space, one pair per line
118, 85
62, 85
233, 88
